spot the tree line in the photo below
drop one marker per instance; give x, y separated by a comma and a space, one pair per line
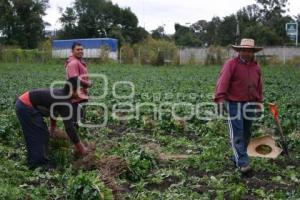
21, 24
264, 21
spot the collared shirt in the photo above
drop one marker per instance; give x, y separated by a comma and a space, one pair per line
239, 81
77, 67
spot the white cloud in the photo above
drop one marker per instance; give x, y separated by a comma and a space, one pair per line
53, 13
154, 13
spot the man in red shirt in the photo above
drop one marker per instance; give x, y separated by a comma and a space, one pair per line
76, 67
240, 88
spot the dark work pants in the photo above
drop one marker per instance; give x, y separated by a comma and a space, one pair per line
36, 134
78, 112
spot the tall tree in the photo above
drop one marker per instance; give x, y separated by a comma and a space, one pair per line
158, 33
100, 18
201, 28
226, 31
212, 30
272, 8
185, 36
297, 19
248, 16
272, 12
262, 34
21, 22
69, 21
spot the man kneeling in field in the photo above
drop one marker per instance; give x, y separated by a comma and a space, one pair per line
33, 105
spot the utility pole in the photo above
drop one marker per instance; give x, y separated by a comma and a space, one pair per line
237, 34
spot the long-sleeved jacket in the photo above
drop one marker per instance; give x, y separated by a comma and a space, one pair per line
43, 99
239, 81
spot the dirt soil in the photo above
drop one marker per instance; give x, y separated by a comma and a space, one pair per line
110, 168
165, 184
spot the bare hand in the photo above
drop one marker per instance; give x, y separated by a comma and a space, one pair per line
80, 149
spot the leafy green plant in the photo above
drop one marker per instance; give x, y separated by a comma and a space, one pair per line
208, 173
140, 162
60, 152
156, 52
215, 55
26, 56
88, 186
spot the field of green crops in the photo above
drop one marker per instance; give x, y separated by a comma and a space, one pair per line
166, 158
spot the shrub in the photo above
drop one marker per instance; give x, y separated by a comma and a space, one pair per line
160, 58
1, 52
215, 55
25, 56
127, 54
294, 61
156, 52
104, 54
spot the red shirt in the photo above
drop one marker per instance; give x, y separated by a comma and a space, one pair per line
239, 81
77, 67
26, 99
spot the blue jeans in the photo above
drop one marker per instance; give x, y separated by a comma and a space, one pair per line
36, 134
240, 122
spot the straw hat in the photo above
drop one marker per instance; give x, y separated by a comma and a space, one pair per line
247, 43
264, 146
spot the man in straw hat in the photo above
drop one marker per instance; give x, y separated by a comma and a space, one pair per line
239, 87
